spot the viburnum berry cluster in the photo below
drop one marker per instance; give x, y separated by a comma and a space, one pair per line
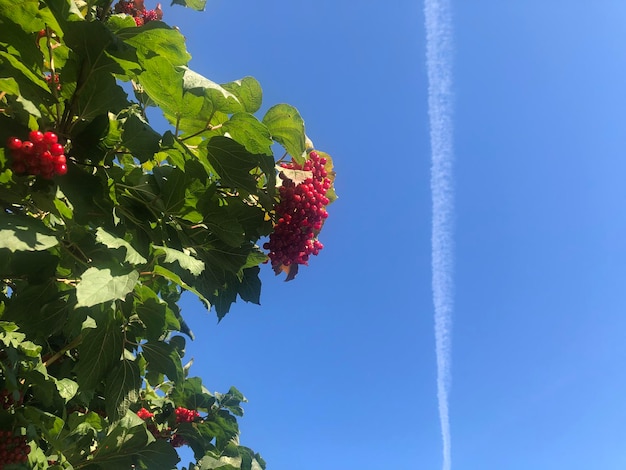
183, 415
136, 9
144, 414
7, 400
14, 449
53, 81
301, 213
41, 155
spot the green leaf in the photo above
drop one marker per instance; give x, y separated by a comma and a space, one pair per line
50, 424
92, 68
9, 86
140, 139
250, 132
232, 401
167, 274
250, 288
287, 128
99, 351
23, 233
159, 455
222, 99
164, 358
184, 259
222, 463
248, 91
194, 4
157, 39
97, 286
122, 388
127, 438
42, 90
154, 313
111, 241
224, 224
163, 84
233, 163
67, 388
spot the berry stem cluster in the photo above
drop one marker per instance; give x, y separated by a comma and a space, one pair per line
41, 155
136, 9
14, 449
301, 212
182, 415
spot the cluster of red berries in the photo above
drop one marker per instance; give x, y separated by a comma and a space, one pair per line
13, 449
136, 9
50, 81
7, 399
144, 414
301, 213
183, 415
41, 155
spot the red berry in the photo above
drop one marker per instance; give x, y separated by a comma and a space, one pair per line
57, 149
28, 148
50, 138
60, 168
19, 168
40, 147
35, 136
46, 157
144, 413
60, 159
14, 143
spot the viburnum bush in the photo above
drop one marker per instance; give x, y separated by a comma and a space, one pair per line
106, 221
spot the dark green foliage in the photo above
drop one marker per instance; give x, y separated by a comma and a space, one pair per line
93, 263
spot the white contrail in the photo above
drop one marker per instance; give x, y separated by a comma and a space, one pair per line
439, 64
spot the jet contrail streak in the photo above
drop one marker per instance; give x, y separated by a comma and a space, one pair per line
439, 64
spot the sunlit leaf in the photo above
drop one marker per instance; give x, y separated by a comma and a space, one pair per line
111, 241
25, 234
97, 286
287, 128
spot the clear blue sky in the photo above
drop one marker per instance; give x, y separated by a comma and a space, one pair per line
339, 365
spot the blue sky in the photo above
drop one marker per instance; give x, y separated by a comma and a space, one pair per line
339, 365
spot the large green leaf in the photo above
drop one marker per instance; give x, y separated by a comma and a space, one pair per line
163, 83
194, 4
184, 259
221, 463
287, 128
233, 163
248, 91
97, 91
23, 233
163, 357
250, 288
250, 132
139, 138
222, 99
111, 241
157, 39
167, 274
67, 388
122, 388
154, 313
97, 286
130, 445
158, 455
100, 350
